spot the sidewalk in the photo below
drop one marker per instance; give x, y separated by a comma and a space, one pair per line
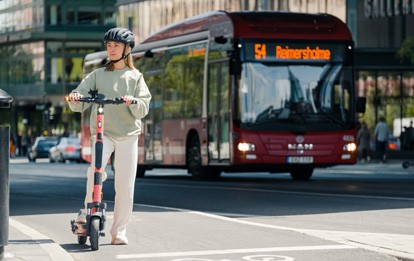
392, 166
28, 244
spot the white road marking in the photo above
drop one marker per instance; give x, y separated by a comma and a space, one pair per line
392, 244
55, 251
233, 251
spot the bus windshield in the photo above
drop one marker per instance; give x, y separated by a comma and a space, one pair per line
297, 97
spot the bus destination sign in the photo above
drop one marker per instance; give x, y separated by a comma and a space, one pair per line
292, 52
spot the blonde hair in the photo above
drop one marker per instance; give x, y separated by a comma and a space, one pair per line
129, 61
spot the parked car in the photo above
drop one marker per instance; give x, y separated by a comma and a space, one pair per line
66, 149
40, 148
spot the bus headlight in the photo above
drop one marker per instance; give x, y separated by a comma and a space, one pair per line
243, 146
350, 147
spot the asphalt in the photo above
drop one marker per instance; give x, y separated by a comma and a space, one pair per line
27, 244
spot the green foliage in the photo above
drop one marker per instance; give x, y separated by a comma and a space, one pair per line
406, 52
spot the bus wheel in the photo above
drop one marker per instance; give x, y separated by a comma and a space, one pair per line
194, 160
140, 171
301, 174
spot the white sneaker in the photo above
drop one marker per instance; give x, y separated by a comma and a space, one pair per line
81, 216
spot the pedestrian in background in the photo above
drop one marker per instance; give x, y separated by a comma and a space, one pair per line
381, 138
12, 146
363, 140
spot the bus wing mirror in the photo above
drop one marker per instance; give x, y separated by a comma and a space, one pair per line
149, 54
220, 39
361, 104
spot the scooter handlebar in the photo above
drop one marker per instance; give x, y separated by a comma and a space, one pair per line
100, 100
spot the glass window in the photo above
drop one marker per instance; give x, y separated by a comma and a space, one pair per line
22, 64
279, 96
54, 15
89, 18
109, 18
407, 128
388, 105
389, 84
174, 91
194, 71
70, 16
66, 61
408, 84
367, 88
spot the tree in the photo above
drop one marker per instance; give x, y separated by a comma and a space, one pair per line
406, 51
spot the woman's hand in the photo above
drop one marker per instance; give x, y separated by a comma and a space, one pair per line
127, 99
74, 96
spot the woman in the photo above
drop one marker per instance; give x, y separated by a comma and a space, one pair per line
119, 78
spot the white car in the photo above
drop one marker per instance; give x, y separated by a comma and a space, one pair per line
66, 149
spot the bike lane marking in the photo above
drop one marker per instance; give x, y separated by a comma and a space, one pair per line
377, 242
233, 251
54, 250
266, 257
229, 251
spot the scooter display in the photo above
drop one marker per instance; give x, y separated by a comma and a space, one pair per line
96, 211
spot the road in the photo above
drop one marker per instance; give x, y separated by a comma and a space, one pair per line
361, 212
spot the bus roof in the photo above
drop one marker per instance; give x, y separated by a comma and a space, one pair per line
259, 24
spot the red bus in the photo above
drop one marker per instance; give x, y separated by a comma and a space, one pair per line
247, 92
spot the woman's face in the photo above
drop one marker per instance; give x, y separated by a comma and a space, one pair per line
114, 50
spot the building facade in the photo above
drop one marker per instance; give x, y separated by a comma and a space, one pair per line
42, 45
386, 78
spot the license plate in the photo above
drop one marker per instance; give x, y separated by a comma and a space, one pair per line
299, 160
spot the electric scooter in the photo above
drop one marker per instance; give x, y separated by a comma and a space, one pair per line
96, 211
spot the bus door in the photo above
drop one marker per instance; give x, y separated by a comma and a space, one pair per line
152, 122
218, 111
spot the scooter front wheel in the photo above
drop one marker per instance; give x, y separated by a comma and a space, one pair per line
82, 240
94, 233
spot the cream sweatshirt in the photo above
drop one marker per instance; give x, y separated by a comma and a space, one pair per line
120, 120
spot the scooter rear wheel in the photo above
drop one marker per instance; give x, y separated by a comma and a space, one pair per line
94, 233
82, 240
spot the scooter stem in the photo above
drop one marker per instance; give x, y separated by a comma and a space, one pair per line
97, 185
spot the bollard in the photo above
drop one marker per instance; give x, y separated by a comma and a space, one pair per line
5, 100
4, 188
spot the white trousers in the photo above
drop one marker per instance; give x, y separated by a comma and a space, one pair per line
126, 155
